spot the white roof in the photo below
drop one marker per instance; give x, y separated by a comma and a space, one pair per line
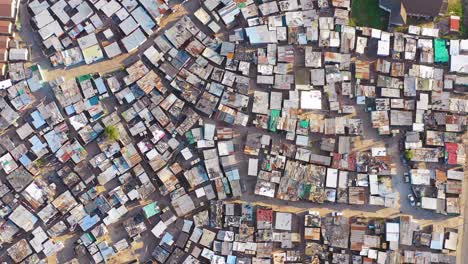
384, 48
385, 36
203, 16
153, 55
455, 175
122, 14
420, 177
464, 44
429, 203
361, 44
43, 18
379, 152
113, 50
372, 254
211, 4
134, 40
343, 179
214, 26
110, 8
454, 47
332, 178
260, 34
37, 7
311, 99
437, 240
415, 30
209, 131
302, 140
128, 25
144, 20
374, 185
451, 242
159, 229
459, 63
58, 10
382, 257
84, 11
5, 84
53, 28
260, 105
276, 98
23, 218
253, 167
425, 43
96, 21
430, 32
392, 232
393, 227
376, 33
283, 221
108, 33
87, 41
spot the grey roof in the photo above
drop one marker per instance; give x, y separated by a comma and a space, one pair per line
396, 9
430, 8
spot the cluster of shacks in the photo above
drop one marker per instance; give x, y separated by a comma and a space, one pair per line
278, 100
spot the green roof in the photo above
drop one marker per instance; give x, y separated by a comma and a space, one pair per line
84, 77
304, 192
441, 53
151, 209
274, 116
190, 137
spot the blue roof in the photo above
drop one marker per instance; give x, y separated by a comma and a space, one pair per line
233, 175
38, 120
100, 85
231, 259
94, 100
107, 252
70, 110
37, 144
88, 222
87, 239
167, 239
25, 160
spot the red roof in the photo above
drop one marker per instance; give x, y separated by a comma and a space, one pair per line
3, 41
350, 163
5, 26
6, 7
454, 23
452, 149
265, 215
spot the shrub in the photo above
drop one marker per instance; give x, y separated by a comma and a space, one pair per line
112, 133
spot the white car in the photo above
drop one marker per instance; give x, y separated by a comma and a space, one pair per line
412, 200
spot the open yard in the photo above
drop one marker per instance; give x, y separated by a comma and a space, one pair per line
456, 8
367, 13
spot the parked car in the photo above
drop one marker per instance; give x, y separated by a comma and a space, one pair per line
337, 214
406, 175
411, 199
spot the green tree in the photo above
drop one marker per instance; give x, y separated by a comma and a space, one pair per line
40, 162
409, 154
112, 133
